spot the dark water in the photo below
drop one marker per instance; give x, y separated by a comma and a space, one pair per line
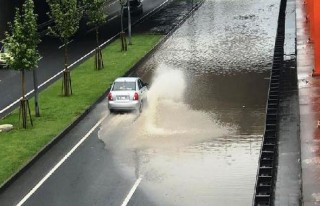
198, 141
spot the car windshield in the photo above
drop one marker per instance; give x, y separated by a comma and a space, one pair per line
123, 86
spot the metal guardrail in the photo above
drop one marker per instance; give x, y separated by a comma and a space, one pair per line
267, 167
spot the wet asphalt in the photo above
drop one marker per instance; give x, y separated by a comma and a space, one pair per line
309, 111
52, 61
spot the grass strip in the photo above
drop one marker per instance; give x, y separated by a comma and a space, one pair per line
18, 146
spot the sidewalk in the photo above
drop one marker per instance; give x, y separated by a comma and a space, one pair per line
288, 183
309, 103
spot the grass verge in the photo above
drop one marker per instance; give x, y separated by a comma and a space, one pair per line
18, 146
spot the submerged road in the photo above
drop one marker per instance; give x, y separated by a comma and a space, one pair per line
52, 55
197, 142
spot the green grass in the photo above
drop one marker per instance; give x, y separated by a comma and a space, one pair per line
18, 146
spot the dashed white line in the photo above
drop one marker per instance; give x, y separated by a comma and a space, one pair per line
65, 44
131, 192
44, 83
34, 189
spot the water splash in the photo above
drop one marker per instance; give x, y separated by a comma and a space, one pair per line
166, 121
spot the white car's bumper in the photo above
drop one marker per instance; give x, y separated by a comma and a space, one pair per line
123, 106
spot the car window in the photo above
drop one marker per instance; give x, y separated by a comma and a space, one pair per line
140, 84
134, 3
123, 86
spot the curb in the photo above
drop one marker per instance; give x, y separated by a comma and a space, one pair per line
37, 156
264, 190
83, 58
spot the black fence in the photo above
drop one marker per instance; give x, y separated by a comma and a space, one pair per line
267, 168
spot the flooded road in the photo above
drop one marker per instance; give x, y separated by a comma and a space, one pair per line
198, 140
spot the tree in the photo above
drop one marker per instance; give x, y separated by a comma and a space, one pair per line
66, 15
22, 45
122, 34
94, 10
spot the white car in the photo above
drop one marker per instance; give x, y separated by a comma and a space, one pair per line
3, 55
127, 94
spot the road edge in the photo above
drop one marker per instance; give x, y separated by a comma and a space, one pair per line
130, 71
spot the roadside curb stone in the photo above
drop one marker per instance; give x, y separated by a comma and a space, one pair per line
6, 127
130, 72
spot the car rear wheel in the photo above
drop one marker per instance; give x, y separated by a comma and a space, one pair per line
140, 107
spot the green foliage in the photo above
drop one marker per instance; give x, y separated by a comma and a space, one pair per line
95, 11
66, 15
122, 2
19, 145
23, 40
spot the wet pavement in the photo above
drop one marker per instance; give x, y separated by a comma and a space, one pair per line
51, 65
288, 176
198, 141
309, 112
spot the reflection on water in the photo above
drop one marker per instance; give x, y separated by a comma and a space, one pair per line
198, 141
224, 37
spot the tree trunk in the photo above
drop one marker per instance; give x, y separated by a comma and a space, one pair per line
129, 23
36, 100
122, 34
24, 110
123, 41
23, 89
121, 16
97, 36
98, 55
66, 82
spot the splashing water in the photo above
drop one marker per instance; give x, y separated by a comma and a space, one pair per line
166, 121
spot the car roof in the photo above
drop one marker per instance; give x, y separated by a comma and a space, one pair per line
126, 79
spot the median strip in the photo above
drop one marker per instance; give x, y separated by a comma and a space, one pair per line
19, 148
57, 112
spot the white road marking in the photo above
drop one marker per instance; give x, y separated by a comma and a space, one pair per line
64, 44
44, 83
112, 4
60, 163
91, 52
113, 18
131, 192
